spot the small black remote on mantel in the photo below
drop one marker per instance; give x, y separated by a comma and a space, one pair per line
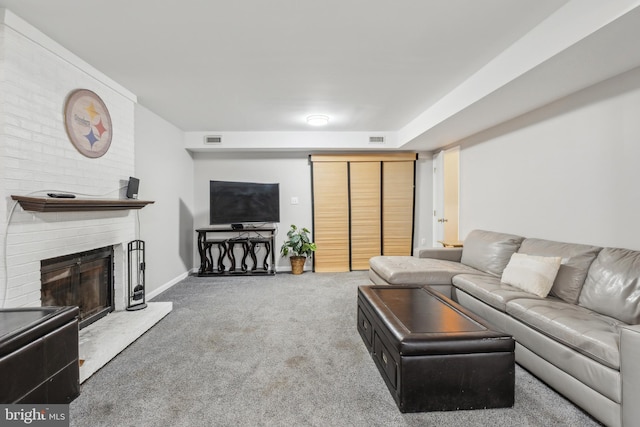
62, 195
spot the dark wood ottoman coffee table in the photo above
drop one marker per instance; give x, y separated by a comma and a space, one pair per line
433, 354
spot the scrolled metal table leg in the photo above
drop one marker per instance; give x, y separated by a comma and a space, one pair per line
267, 246
203, 253
232, 256
245, 253
222, 251
252, 251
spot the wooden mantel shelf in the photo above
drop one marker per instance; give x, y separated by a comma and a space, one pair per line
52, 204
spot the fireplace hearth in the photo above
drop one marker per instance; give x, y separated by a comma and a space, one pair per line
83, 279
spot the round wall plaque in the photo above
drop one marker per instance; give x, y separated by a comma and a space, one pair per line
88, 123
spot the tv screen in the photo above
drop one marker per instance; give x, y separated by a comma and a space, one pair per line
241, 202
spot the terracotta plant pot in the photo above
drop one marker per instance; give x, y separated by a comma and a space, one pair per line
297, 264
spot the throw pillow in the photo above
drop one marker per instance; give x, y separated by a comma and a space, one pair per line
533, 274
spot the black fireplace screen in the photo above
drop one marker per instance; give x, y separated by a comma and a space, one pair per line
84, 279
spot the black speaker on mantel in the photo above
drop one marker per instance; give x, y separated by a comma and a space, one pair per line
132, 188
135, 255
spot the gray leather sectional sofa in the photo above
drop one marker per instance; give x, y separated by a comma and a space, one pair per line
583, 338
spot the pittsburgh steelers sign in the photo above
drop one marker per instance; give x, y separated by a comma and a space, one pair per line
88, 123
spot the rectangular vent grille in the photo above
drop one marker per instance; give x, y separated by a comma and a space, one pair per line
213, 139
376, 140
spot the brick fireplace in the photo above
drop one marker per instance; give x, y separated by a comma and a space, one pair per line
45, 281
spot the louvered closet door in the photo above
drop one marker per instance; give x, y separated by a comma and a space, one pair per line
397, 212
331, 216
362, 207
365, 213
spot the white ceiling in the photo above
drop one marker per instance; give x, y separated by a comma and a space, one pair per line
258, 66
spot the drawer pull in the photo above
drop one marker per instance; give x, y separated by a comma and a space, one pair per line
364, 325
384, 358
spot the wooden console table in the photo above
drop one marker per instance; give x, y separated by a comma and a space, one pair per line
451, 243
249, 239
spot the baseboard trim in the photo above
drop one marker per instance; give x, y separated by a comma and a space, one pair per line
194, 272
167, 285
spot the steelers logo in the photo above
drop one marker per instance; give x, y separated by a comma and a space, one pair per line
88, 123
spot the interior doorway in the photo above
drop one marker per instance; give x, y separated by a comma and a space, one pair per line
446, 190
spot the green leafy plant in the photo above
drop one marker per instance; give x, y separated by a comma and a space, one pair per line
298, 243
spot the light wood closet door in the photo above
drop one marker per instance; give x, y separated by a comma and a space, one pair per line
331, 216
397, 211
365, 213
362, 207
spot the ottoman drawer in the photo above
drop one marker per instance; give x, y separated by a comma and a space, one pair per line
386, 362
365, 329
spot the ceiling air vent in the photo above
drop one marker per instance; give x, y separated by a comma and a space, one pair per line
376, 140
213, 139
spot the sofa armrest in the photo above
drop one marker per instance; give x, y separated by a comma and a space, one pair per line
630, 373
446, 254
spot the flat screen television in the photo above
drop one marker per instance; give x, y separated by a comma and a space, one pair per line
243, 202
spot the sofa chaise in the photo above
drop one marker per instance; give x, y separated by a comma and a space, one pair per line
573, 309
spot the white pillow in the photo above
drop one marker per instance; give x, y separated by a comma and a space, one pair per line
533, 274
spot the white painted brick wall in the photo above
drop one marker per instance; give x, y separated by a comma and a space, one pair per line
3, 164
36, 156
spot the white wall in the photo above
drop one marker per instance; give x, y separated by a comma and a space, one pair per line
308, 141
568, 171
166, 172
290, 170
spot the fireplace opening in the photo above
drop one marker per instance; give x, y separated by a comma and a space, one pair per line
84, 279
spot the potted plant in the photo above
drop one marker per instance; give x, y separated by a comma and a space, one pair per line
300, 246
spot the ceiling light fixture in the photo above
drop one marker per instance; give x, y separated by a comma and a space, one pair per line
317, 120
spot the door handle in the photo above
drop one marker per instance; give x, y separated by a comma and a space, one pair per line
443, 220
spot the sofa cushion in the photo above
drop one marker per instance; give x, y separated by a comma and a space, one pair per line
592, 334
489, 290
489, 251
531, 273
448, 254
408, 270
576, 260
612, 286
